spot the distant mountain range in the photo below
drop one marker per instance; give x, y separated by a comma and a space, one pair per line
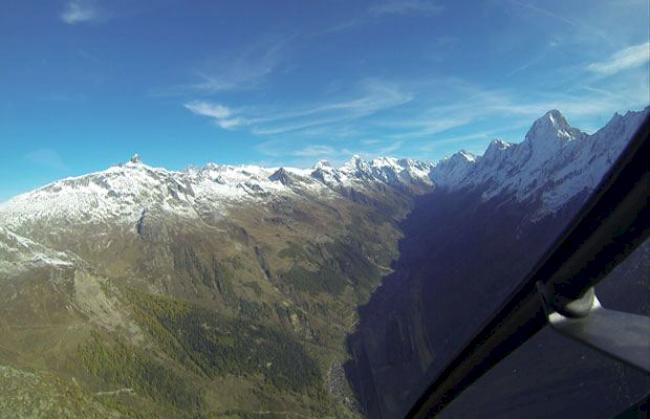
243, 291
553, 163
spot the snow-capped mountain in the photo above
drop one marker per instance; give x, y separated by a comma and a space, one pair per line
341, 279
465, 248
553, 163
120, 193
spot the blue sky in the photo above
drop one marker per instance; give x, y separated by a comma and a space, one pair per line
86, 83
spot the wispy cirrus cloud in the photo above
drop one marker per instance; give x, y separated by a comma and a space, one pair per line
221, 114
576, 24
406, 7
81, 11
315, 151
275, 148
460, 105
384, 118
385, 9
489, 114
374, 96
390, 148
278, 152
631, 57
426, 125
245, 69
464, 139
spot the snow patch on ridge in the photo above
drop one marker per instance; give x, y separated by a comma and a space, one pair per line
554, 163
18, 253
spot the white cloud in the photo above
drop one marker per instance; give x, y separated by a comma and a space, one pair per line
627, 58
370, 141
316, 150
426, 125
293, 126
283, 153
221, 114
270, 148
578, 25
374, 96
376, 12
383, 117
213, 110
406, 7
457, 104
240, 69
389, 148
79, 11
229, 123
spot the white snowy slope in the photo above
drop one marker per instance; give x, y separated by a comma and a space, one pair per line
453, 170
19, 253
554, 163
121, 193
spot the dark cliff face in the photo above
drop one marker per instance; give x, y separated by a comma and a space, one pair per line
459, 258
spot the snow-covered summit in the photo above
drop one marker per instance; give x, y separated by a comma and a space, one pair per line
553, 163
122, 192
454, 169
553, 126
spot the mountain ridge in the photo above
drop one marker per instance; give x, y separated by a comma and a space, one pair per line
197, 277
542, 157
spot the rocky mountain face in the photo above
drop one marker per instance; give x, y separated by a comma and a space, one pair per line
465, 246
241, 291
214, 292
